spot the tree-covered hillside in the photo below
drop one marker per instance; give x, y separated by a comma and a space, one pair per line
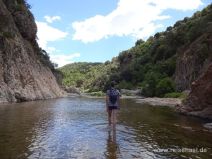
87, 76
150, 64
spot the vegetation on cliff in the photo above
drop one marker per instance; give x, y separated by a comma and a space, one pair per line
150, 64
25, 22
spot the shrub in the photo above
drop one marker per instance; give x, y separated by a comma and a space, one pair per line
24, 2
139, 42
150, 82
148, 89
165, 85
167, 67
98, 94
19, 7
125, 85
8, 35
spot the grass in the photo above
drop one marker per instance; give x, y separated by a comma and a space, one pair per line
175, 95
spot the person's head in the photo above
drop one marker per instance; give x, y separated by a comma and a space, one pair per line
112, 84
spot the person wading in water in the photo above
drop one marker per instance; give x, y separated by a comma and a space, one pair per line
112, 103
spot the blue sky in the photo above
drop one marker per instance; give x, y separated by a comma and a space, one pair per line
97, 30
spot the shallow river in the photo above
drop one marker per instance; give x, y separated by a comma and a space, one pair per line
77, 128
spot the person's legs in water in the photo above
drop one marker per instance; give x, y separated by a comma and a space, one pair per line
109, 116
113, 116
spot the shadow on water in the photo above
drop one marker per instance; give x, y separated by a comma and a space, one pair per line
78, 128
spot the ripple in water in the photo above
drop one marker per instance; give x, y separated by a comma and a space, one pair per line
77, 128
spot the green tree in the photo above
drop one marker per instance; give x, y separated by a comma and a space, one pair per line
150, 83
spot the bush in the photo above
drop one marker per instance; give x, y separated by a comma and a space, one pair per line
8, 35
98, 94
165, 85
125, 85
19, 7
149, 84
139, 42
24, 2
167, 67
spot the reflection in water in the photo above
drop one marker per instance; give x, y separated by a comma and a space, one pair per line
78, 128
112, 146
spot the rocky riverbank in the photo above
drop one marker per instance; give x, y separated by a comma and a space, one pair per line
199, 101
171, 102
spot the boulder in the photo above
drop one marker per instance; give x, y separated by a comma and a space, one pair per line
130, 92
72, 90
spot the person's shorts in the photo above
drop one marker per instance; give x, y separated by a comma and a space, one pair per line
112, 107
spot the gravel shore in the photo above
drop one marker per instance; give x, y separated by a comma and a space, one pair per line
171, 102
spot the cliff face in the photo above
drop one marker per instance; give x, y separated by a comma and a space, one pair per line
193, 60
24, 75
194, 72
199, 101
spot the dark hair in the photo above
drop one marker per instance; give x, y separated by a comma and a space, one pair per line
112, 84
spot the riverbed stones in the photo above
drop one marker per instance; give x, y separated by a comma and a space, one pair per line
171, 102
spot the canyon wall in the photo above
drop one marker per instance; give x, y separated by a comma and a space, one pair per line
25, 70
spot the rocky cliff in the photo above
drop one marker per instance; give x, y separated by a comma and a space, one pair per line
199, 101
194, 72
25, 72
193, 60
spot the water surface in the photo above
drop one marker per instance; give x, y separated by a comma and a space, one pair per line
77, 128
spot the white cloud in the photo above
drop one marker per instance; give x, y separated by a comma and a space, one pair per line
62, 59
131, 17
47, 33
50, 19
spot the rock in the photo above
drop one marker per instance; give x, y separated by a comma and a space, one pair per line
20, 98
208, 126
199, 101
171, 102
72, 90
192, 61
186, 92
24, 23
131, 92
25, 73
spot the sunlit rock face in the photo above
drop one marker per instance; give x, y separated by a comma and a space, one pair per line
25, 73
193, 60
199, 101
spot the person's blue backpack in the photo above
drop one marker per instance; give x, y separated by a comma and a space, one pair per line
113, 96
